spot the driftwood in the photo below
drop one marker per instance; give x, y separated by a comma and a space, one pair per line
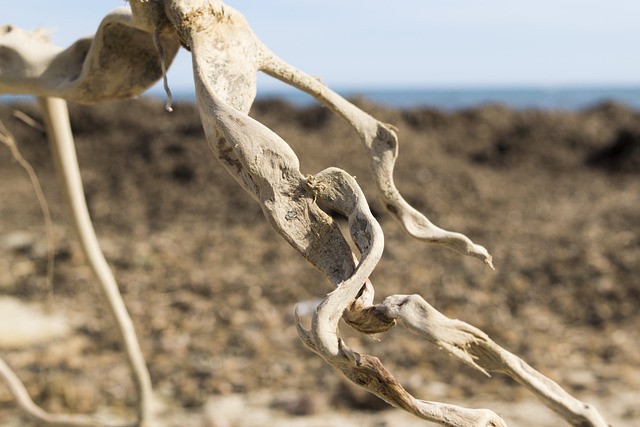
131, 50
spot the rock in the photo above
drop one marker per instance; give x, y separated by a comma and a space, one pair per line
18, 241
23, 325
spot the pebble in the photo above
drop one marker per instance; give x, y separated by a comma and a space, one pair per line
23, 325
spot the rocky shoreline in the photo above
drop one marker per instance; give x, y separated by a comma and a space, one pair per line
555, 196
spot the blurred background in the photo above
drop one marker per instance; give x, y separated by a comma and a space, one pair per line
519, 125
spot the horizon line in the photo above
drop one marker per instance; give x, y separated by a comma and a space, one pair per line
434, 88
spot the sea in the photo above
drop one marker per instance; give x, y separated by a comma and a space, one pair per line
453, 99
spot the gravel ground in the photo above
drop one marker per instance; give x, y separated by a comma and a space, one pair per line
555, 196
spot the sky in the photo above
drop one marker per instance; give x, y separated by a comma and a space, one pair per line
410, 43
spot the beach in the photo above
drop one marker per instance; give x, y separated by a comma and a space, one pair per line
211, 288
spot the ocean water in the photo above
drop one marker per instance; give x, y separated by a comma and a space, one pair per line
564, 98
568, 99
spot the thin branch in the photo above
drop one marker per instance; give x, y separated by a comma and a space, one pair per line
7, 138
29, 121
40, 416
63, 149
158, 45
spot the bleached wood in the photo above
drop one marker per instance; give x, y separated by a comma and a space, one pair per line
226, 56
473, 347
63, 150
381, 142
44, 418
119, 61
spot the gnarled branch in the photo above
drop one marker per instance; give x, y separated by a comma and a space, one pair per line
226, 56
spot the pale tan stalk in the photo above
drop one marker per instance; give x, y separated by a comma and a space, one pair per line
64, 154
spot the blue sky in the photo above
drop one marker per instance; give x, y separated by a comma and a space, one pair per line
409, 43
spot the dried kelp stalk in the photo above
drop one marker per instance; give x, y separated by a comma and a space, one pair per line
226, 58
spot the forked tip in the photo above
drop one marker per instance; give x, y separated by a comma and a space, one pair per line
489, 261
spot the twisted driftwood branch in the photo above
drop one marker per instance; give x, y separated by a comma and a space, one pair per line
473, 347
341, 192
381, 142
226, 57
